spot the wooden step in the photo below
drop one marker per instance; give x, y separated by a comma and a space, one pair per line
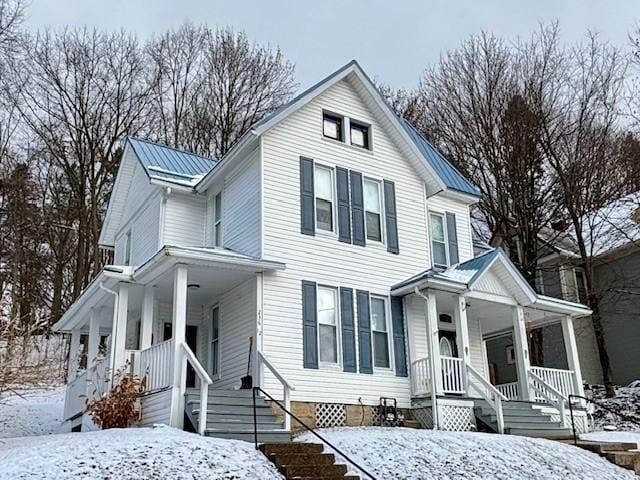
293, 447
626, 460
294, 471
604, 447
284, 459
541, 432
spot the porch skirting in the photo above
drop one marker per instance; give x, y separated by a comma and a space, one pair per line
454, 415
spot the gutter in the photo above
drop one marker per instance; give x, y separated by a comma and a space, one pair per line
434, 394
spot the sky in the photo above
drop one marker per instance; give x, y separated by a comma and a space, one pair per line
394, 40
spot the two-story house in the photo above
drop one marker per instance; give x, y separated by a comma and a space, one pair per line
338, 239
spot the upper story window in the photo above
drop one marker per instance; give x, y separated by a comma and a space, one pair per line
332, 126
380, 332
127, 248
444, 239
324, 194
328, 324
359, 135
217, 220
581, 285
373, 209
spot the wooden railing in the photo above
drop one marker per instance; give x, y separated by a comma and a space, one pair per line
286, 386
452, 375
157, 363
420, 378
560, 380
509, 390
549, 393
487, 391
205, 380
75, 394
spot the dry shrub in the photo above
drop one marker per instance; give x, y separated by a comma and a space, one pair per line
119, 407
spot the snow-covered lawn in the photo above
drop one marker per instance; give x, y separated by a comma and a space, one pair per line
140, 453
402, 453
626, 401
33, 411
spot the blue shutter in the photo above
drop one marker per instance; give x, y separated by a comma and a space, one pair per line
348, 330
452, 235
364, 332
357, 208
309, 325
307, 211
391, 216
344, 215
399, 349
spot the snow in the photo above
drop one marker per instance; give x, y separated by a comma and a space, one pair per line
626, 402
140, 453
32, 411
463, 276
401, 453
627, 437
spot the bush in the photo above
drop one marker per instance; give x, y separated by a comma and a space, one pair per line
119, 407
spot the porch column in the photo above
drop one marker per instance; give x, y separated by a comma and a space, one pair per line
178, 329
74, 355
573, 360
146, 318
119, 331
94, 338
521, 346
433, 341
462, 336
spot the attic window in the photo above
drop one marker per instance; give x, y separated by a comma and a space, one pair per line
360, 135
332, 126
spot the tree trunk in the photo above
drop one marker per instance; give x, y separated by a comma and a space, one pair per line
603, 355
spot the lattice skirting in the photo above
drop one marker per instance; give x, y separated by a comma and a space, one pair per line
456, 418
582, 423
330, 415
424, 416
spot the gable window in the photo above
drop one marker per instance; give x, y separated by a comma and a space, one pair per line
373, 209
359, 135
328, 324
217, 220
581, 286
323, 179
379, 332
438, 239
332, 126
214, 348
127, 248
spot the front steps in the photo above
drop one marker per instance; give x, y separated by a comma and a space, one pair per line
623, 454
521, 418
305, 461
230, 416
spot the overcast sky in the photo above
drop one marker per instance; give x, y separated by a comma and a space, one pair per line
393, 40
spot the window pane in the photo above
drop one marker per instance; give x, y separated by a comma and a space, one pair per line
371, 196
215, 322
437, 228
326, 306
324, 215
380, 350
332, 127
214, 355
218, 207
323, 184
217, 232
378, 315
439, 253
373, 227
359, 136
581, 286
328, 344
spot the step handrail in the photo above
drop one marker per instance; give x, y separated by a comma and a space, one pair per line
286, 386
557, 398
635, 421
205, 381
494, 398
306, 427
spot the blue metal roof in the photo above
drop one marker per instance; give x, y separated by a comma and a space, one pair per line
449, 175
169, 163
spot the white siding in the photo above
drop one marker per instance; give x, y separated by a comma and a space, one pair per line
184, 219
322, 258
440, 203
490, 283
155, 408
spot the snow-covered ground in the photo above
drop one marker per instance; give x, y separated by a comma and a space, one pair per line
140, 453
603, 436
32, 411
626, 401
400, 453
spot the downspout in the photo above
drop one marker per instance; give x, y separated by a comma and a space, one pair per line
434, 394
114, 328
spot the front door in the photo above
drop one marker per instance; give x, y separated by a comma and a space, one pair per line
448, 347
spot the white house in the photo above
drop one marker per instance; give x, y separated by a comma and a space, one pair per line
338, 238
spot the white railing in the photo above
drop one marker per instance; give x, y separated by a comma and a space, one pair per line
561, 380
157, 363
286, 386
75, 396
133, 362
420, 378
549, 393
509, 390
205, 381
490, 393
452, 375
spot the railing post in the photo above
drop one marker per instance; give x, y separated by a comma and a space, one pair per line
573, 361
255, 419
499, 414
573, 422
287, 405
204, 398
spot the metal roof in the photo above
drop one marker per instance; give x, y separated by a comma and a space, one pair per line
171, 164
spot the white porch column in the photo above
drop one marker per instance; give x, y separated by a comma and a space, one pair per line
146, 318
94, 338
119, 331
178, 329
521, 346
74, 355
433, 340
462, 336
573, 360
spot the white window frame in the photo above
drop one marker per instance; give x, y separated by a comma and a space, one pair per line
217, 375
381, 213
442, 215
216, 230
338, 326
127, 248
368, 141
389, 332
343, 130
331, 170
579, 271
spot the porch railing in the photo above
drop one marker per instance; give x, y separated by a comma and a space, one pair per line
509, 390
452, 375
420, 378
157, 363
560, 380
491, 395
205, 380
286, 387
548, 393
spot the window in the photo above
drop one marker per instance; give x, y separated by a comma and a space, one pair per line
380, 333
127, 248
217, 220
323, 179
328, 324
214, 349
511, 355
373, 209
332, 126
581, 286
359, 135
438, 239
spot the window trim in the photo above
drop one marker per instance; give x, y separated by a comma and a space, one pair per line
217, 375
217, 223
576, 271
389, 332
338, 326
362, 125
341, 123
382, 212
442, 215
334, 200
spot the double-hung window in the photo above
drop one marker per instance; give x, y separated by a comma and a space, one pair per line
438, 239
373, 209
217, 220
328, 325
359, 135
380, 332
332, 126
324, 193
214, 349
581, 286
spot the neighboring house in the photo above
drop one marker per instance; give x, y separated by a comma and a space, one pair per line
340, 240
612, 236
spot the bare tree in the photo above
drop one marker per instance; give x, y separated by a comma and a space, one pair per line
11, 19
